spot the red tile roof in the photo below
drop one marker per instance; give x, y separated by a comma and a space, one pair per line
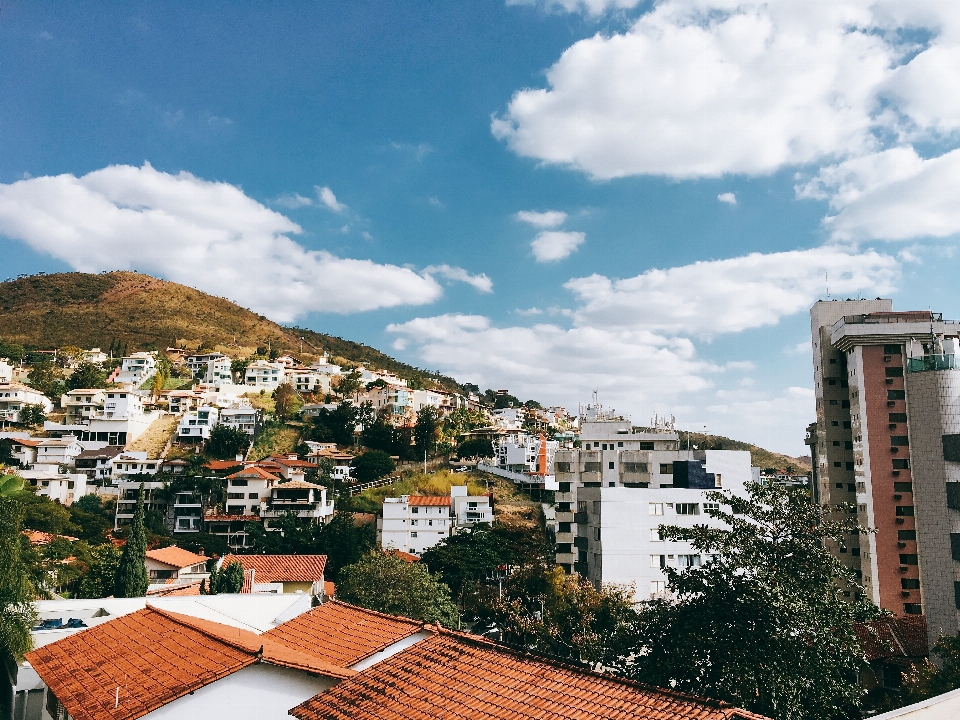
343, 634
253, 472
282, 568
155, 657
176, 590
38, 537
452, 676
894, 637
409, 557
430, 500
218, 465
29, 442
176, 557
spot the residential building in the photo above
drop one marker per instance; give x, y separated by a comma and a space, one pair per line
470, 510
13, 397
136, 368
179, 401
527, 460
887, 390
121, 420
95, 355
289, 466
210, 368
509, 418
248, 419
265, 375
308, 380
185, 514
325, 367
81, 406
175, 564
97, 464
341, 461
248, 489
414, 523
24, 450
127, 500
61, 487
232, 528
195, 425
58, 451
132, 462
281, 573
304, 499
6, 372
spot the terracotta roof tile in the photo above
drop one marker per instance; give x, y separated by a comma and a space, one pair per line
253, 472
343, 634
29, 442
220, 465
149, 655
431, 500
176, 590
176, 557
298, 485
38, 537
894, 637
282, 568
409, 557
450, 676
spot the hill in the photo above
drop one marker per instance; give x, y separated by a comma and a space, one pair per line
144, 313
759, 457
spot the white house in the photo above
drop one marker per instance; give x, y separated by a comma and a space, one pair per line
121, 420
97, 463
6, 372
95, 355
132, 462
195, 425
469, 510
81, 406
304, 499
24, 450
322, 366
14, 396
61, 487
265, 375
136, 368
248, 419
212, 367
509, 418
414, 523
248, 489
307, 380
58, 451
175, 564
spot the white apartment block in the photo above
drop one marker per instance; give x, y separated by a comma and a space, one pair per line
195, 425
58, 451
414, 523
248, 419
470, 510
508, 418
304, 499
95, 355
132, 463
120, 421
127, 500
82, 405
265, 375
306, 380
13, 397
212, 367
6, 372
136, 368
247, 489
60, 487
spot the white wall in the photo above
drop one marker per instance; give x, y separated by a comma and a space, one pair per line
257, 692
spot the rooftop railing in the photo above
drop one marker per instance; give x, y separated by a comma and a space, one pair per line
932, 362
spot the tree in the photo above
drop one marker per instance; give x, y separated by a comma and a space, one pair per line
87, 375
99, 580
475, 447
17, 615
42, 513
47, 378
6, 452
94, 519
349, 385
238, 368
228, 579
372, 465
286, 401
31, 414
335, 425
425, 431
161, 375
204, 544
763, 623
131, 579
11, 486
226, 442
929, 679
12, 351
389, 584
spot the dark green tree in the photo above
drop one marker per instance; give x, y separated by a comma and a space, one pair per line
12, 351
930, 679
204, 544
335, 425
287, 401
475, 447
46, 377
372, 465
32, 414
226, 442
228, 579
6, 452
388, 584
425, 431
92, 517
17, 615
87, 375
763, 623
100, 578
131, 579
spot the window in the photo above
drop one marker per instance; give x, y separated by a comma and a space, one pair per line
833, 361
710, 506
564, 487
894, 372
564, 527
898, 417
619, 444
414, 522
252, 496
656, 508
604, 446
833, 402
904, 510
910, 584
688, 508
896, 395
849, 466
846, 424
903, 487
908, 559
951, 448
591, 467
906, 534
655, 535
688, 561
610, 465
413, 534
588, 446
666, 468
238, 483
646, 445
596, 533
415, 510
838, 464
912, 609
430, 523
234, 496
836, 443
834, 423
563, 467
634, 467
831, 381
657, 586
899, 441
658, 561
891, 350
903, 464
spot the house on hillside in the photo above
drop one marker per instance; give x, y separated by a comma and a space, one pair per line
280, 573
132, 462
414, 523
265, 375
195, 425
210, 368
24, 450
81, 405
97, 464
136, 368
6, 372
127, 500
61, 487
304, 499
13, 397
58, 451
173, 565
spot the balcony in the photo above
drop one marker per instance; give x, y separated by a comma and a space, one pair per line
931, 362
580, 518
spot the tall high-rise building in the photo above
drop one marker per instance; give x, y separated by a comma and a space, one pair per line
888, 443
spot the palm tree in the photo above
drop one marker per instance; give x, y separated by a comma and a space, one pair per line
11, 486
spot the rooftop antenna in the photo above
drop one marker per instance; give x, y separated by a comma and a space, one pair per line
826, 280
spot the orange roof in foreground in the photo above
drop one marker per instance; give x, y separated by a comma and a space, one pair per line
176, 557
343, 634
154, 657
452, 676
431, 500
282, 568
253, 472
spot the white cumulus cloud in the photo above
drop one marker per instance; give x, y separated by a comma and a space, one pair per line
548, 219
329, 199
728, 197
589, 7
209, 235
481, 282
554, 245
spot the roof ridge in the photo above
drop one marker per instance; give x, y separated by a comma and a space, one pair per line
401, 618
571, 665
185, 620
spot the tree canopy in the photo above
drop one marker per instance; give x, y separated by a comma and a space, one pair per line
763, 622
17, 615
388, 584
335, 425
226, 442
372, 465
131, 579
87, 375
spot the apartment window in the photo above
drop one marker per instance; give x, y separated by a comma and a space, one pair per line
912, 609
838, 464
659, 586
655, 535
414, 522
898, 417
234, 496
836, 443
861, 487
563, 467
951, 448
910, 584
896, 395
656, 508
908, 559
415, 510
834, 423
688, 508
564, 487
891, 349
899, 441
904, 510
610, 465
903, 487
905, 535
588, 446
833, 402
666, 468
831, 381
413, 534
894, 372
596, 533
846, 424
849, 466
710, 506
848, 445
634, 467
646, 445
564, 527
430, 523
903, 464
619, 444
685, 561
591, 467
833, 361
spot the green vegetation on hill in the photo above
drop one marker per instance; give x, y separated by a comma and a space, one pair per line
759, 457
140, 312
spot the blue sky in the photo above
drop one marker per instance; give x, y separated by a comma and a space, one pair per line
549, 197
